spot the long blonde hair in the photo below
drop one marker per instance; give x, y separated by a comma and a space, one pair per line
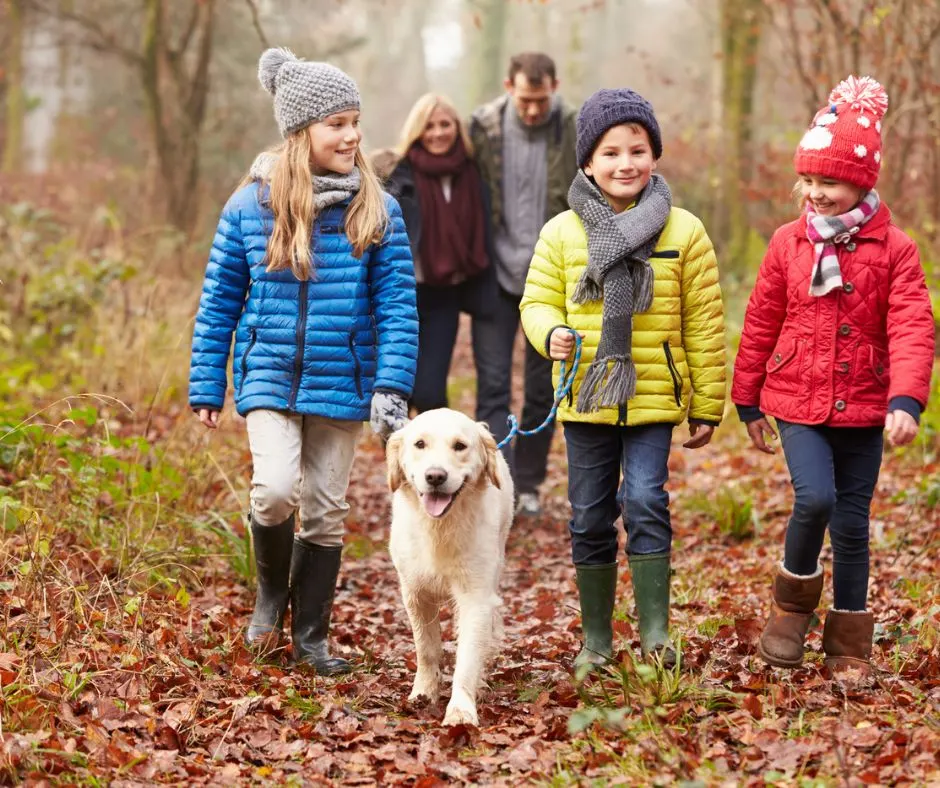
292, 202
418, 118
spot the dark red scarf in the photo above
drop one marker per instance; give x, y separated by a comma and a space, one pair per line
453, 234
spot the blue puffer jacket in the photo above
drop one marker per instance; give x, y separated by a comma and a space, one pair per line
319, 347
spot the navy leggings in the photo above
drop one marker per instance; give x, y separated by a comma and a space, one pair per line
834, 471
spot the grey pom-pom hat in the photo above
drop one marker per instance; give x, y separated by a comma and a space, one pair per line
304, 92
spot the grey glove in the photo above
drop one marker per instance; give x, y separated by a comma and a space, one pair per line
389, 413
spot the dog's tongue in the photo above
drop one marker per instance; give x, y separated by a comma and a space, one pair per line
436, 503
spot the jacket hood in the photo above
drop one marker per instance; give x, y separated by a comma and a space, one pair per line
263, 166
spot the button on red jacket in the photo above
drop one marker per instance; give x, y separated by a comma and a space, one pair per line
837, 359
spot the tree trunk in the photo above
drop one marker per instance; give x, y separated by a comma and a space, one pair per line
176, 102
66, 62
716, 219
15, 113
934, 124
489, 67
741, 28
574, 70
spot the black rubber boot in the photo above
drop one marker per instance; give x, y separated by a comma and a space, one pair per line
314, 570
273, 546
597, 589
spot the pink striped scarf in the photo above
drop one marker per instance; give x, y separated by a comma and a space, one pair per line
826, 231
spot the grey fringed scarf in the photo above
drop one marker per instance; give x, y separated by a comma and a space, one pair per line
618, 270
327, 189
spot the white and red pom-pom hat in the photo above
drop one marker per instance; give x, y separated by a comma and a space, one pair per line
844, 140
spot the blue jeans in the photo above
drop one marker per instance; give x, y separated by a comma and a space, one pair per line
834, 471
596, 455
494, 338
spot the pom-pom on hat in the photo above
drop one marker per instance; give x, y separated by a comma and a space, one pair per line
304, 92
844, 140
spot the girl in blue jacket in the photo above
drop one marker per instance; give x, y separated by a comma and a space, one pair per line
312, 271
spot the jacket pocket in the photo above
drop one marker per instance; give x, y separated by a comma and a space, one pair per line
357, 367
252, 338
783, 368
674, 374
878, 368
782, 356
870, 382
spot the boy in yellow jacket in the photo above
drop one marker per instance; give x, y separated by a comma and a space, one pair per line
638, 280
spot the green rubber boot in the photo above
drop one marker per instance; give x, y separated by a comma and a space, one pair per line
597, 588
651, 591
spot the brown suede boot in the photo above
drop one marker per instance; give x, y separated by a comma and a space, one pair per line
847, 638
794, 602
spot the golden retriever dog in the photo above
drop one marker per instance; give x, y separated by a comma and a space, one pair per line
452, 506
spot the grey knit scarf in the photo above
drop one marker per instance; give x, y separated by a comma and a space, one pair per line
618, 270
327, 189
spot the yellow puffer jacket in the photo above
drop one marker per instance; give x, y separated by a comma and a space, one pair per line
678, 345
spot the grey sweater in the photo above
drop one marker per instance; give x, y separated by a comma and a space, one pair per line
525, 191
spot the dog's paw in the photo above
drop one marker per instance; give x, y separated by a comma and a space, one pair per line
427, 688
461, 712
423, 696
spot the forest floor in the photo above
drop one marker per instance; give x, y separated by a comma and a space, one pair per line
126, 581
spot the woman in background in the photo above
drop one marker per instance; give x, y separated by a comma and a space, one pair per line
443, 200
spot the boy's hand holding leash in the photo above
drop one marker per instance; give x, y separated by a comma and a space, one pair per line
901, 427
561, 343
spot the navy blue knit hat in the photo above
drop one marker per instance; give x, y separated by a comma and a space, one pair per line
608, 108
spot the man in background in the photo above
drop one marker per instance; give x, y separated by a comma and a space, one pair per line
525, 145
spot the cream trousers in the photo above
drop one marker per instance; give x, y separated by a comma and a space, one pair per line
302, 461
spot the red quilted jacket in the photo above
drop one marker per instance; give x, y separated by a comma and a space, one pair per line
839, 358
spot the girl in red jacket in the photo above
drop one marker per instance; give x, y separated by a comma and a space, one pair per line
838, 346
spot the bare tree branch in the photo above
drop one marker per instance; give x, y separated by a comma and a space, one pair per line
809, 88
199, 83
256, 22
344, 46
99, 39
180, 49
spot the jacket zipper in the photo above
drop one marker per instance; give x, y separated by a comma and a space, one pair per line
252, 336
674, 374
352, 350
299, 353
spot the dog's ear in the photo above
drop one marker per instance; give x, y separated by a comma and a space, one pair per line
488, 442
396, 475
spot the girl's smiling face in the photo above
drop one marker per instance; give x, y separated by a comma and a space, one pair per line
334, 142
829, 197
622, 164
440, 133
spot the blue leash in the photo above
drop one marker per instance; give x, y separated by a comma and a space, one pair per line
565, 382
